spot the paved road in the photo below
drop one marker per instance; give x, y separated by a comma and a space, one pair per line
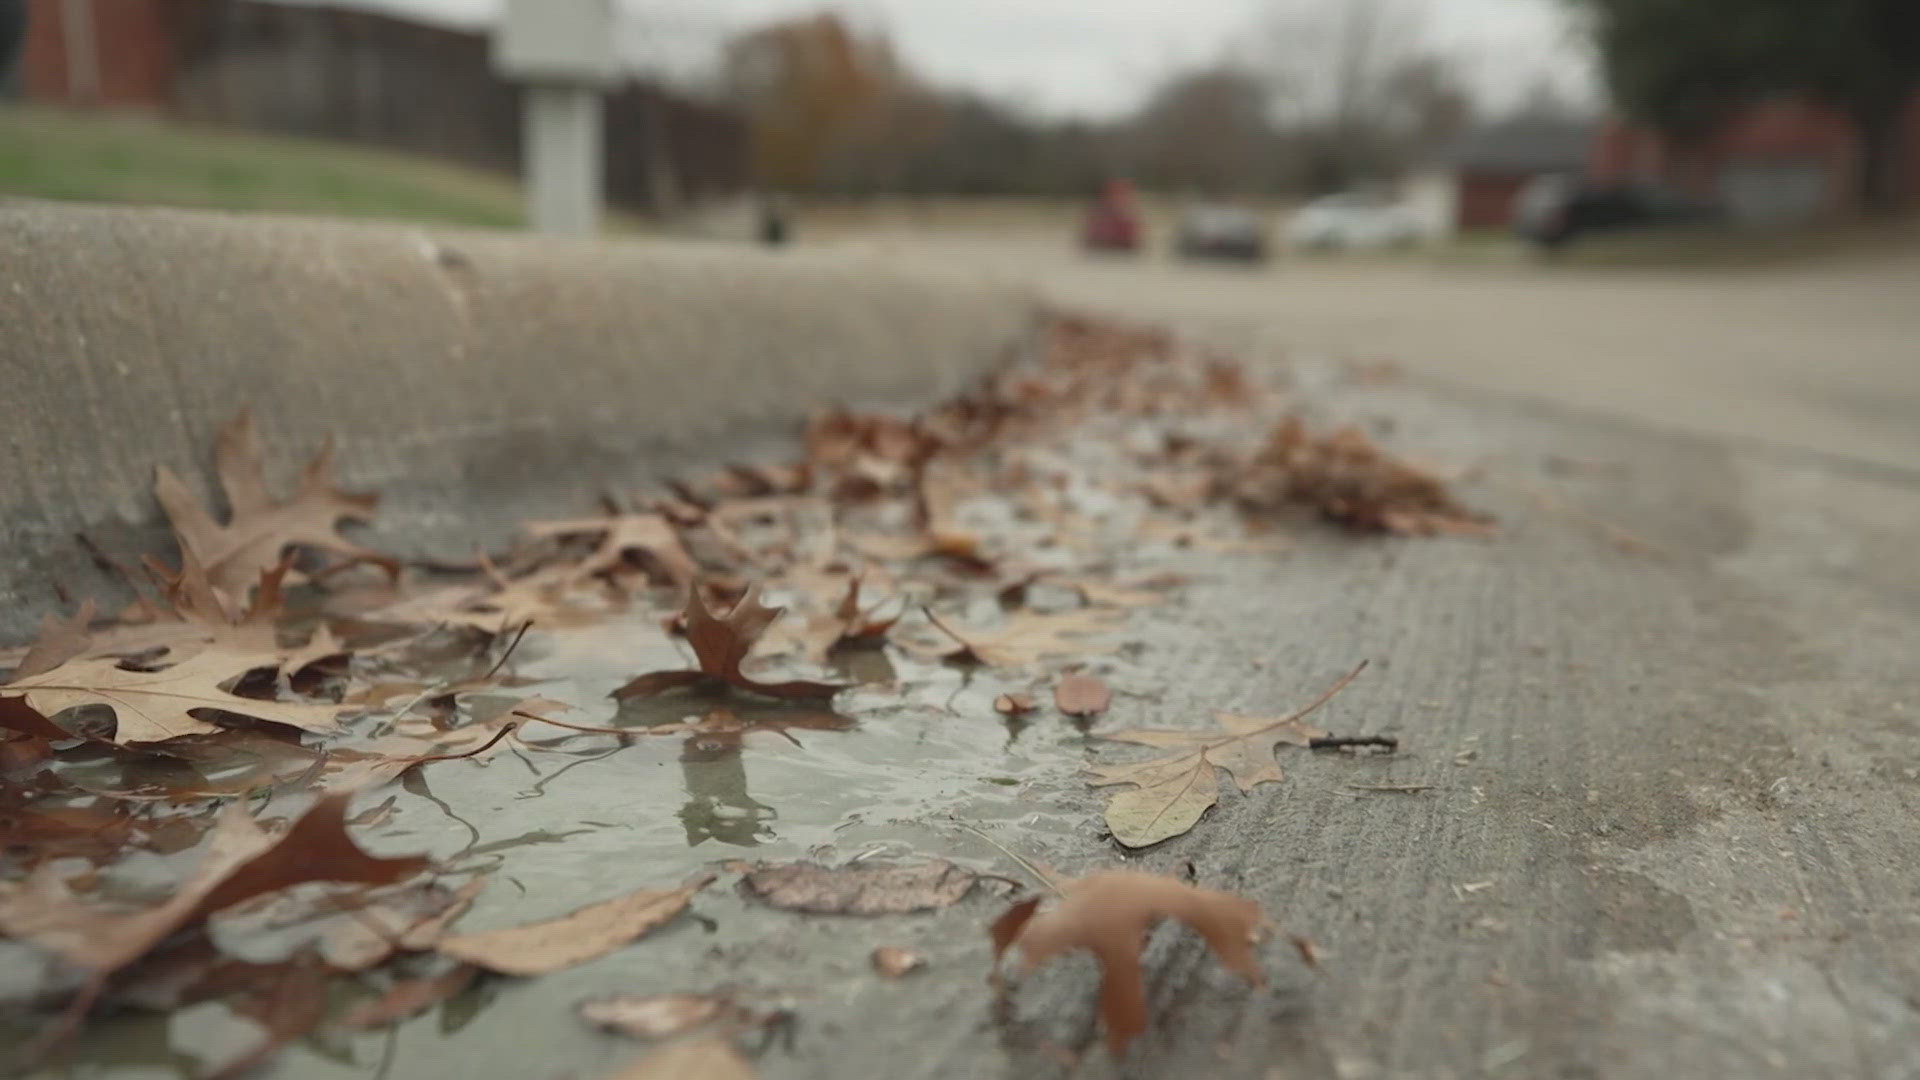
1822, 354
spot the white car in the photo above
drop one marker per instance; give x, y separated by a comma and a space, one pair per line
1354, 221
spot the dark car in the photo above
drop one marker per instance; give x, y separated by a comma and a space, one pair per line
1230, 233
1555, 212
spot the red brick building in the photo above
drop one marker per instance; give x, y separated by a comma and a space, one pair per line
1784, 161
117, 53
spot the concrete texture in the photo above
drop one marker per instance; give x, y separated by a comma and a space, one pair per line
1670, 829
453, 368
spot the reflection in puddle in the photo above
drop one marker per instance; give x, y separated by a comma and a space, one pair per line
579, 815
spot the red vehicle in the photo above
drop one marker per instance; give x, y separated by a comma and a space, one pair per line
1113, 221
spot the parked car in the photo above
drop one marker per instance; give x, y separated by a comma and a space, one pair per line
1113, 221
1554, 211
1214, 231
1354, 220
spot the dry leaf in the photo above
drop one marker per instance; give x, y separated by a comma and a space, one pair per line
152, 706
1025, 637
407, 999
894, 961
261, 528
1351, 481
1109, 914
242, 862
1081, 695
653, 1016
711, 1058
554, 944
1174, 790
625, 538
721, 645
860, 889
60, 640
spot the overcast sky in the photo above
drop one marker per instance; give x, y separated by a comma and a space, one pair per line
1098, 58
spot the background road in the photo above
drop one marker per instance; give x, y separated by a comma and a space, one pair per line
1821, 353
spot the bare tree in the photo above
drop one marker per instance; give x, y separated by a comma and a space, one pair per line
1355, 87
1207, 129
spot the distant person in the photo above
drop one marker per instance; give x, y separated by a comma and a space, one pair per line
13, 34
774, 227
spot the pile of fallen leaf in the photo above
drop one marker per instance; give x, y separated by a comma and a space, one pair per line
273, 662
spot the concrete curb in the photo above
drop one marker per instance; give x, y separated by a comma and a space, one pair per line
454, 369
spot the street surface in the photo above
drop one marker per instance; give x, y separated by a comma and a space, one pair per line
1821, 354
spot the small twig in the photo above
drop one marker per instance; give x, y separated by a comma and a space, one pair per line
1404, 788
512, 645
1043, 877
481, 749
664, 729
1340, 742
943, 627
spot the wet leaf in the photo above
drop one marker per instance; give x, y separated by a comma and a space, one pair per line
288, 1005
860, 889
1081, 695
408, 999
1174, 790
894, 961
262, 527
1014, 704
653, 1016
722, 645
241, 862
555, 944
711, 1058
1109, 914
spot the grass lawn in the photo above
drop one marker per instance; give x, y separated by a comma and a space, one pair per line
100, 157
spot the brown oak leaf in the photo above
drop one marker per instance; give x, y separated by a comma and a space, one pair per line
628, 539
1109, 914
155, 705
721, 646
1172, 791
262, 527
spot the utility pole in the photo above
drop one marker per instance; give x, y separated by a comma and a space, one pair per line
562, 54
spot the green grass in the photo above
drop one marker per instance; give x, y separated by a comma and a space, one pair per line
95, 157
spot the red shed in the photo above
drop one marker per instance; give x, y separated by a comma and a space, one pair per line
1492, 164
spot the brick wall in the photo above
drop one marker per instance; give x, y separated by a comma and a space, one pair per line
119, 53
1486, 199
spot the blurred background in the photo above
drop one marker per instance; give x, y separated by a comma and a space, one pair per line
1699, 213
1225, 129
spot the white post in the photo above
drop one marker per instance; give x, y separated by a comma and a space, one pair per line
561, 52
562, 135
